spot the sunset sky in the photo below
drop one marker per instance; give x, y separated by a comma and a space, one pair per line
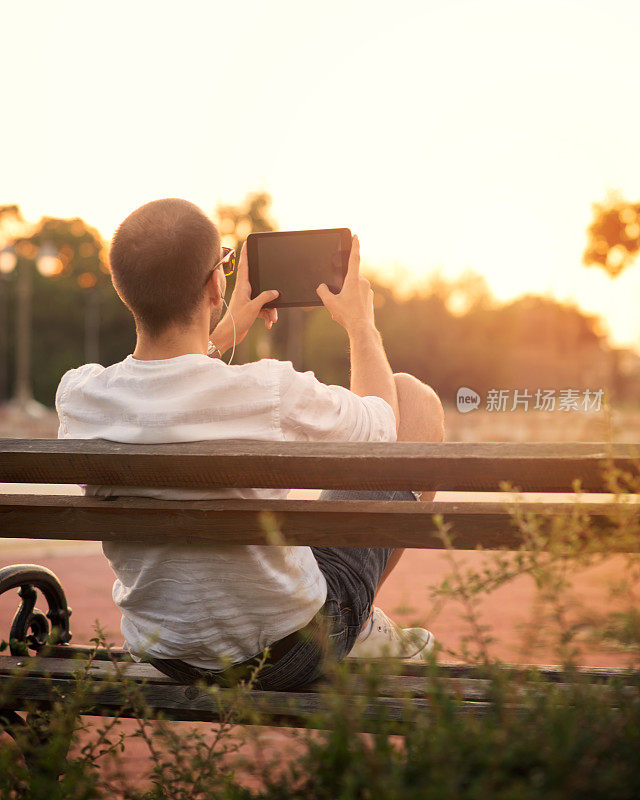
451, 135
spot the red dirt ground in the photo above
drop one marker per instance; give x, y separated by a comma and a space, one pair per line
87, 580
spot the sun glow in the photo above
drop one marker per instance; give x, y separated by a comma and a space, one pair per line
455, 136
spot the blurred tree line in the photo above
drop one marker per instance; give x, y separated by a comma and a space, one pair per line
76, 315
450, 333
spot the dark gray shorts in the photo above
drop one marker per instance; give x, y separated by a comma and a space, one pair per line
353, 575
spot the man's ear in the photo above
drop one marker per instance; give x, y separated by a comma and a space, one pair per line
213, 287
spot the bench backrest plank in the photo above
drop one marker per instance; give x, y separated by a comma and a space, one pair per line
322, 523
453, 466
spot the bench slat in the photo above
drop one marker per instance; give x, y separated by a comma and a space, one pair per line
454, 466
183, 702
391, 686
65, 666
466, 687
291, 709
352, 523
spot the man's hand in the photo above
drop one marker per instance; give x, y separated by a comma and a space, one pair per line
245, 311
353, 306
353, 309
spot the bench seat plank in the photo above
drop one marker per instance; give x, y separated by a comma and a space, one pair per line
187, 702
326, 523
453, 466
391, 686
61, 665
464, 681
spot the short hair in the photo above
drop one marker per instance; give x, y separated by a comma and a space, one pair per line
160, 257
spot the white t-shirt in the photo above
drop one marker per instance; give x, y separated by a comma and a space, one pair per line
203, 603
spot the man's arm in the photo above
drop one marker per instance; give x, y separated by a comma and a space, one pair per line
353, 309
370, 370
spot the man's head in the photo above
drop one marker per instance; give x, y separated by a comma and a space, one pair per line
161, 257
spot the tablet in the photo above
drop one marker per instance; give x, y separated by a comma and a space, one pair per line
296, 262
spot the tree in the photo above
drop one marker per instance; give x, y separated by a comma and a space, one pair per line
613, 244
75, 306
614, 235
71, 300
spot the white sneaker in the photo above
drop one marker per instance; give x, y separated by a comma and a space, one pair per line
386, 639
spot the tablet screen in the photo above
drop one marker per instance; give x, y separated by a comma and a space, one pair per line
296, 262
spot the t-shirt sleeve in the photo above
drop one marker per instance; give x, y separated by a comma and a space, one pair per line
64, 394
314, 411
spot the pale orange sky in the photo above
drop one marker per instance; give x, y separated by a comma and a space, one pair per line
466, 134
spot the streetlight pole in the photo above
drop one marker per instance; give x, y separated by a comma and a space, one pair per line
92, 326
22, 394
7, 265
295, 330
4, 339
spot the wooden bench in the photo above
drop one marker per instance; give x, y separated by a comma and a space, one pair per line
531, 468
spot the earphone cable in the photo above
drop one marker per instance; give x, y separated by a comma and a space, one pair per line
233, 322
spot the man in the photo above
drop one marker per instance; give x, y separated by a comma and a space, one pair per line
196, 610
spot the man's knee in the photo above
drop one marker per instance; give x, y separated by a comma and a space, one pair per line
414, 390
421, 411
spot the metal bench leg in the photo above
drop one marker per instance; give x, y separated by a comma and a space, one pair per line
32, 737
33, 629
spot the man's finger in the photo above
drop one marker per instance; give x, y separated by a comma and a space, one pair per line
243, 265
324, 293
269, 315
353, 268
265, 297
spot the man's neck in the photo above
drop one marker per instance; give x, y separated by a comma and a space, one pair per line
171, 344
